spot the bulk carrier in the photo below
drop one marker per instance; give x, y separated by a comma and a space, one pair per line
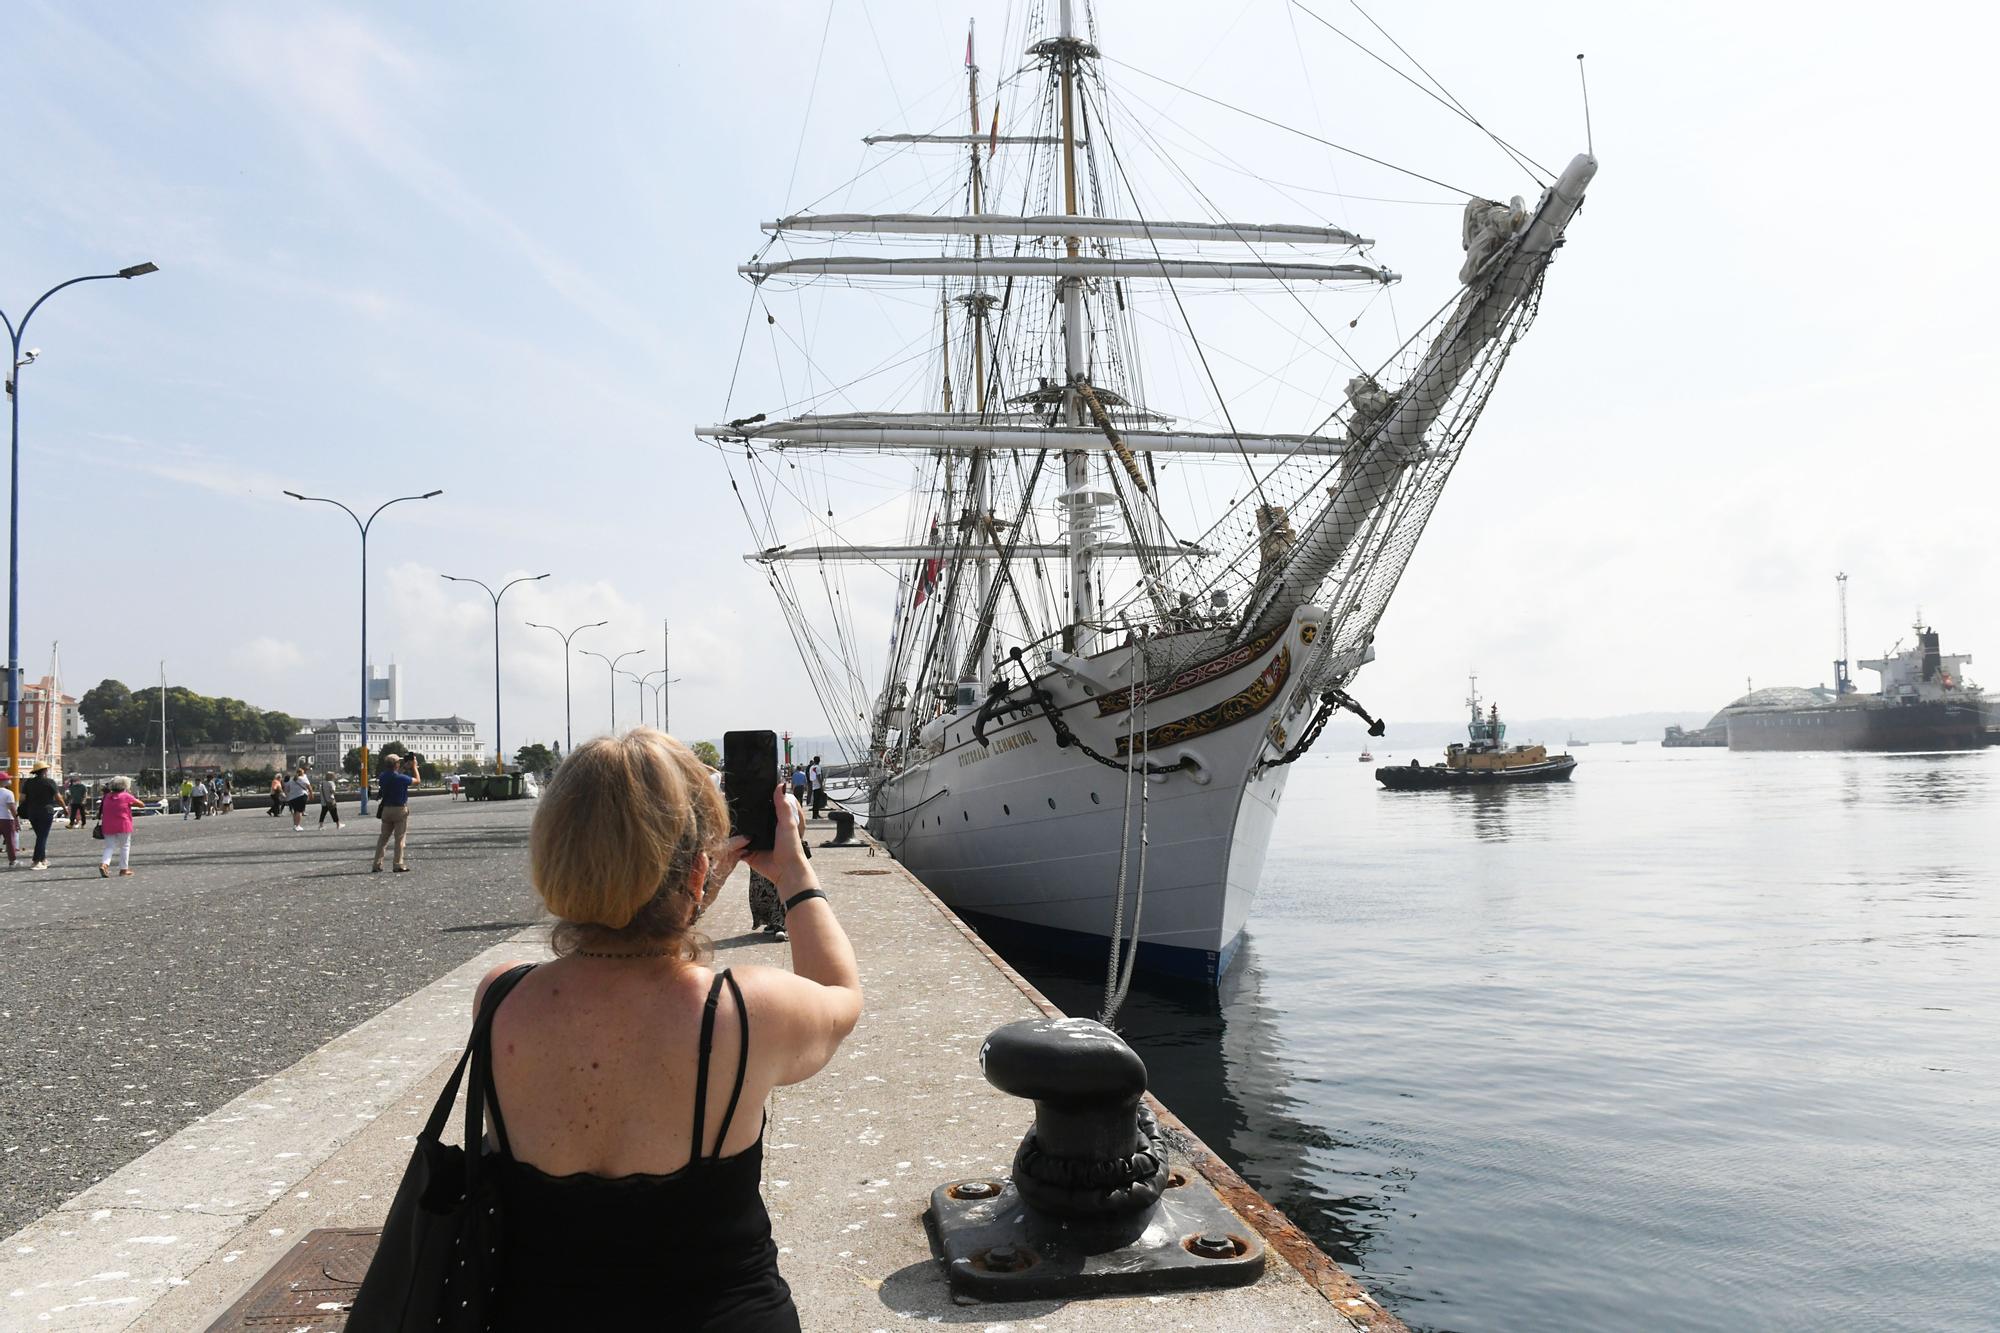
1925, 703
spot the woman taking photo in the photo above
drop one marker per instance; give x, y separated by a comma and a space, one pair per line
627, 1125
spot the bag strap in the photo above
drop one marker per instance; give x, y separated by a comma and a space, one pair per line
479, 1049
434, 1127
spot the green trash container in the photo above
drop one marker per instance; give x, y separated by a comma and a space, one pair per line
474, 786
511, 782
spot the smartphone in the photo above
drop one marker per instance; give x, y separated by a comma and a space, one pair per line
749, 777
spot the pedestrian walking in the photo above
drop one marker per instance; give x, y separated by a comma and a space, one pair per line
187, 799
329, 802
799, 784
277, 795
817, 783
10, 823
200, 799
79, 795
114, 815
227, 797
298, 788
40, 798
394, 809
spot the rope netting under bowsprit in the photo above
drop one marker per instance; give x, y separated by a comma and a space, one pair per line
1251, 542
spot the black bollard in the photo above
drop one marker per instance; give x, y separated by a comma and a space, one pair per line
1091, 1207
1095, 1155
843, 829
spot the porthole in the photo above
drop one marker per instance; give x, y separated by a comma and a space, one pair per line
1094, 800
1006, 809
1052, 802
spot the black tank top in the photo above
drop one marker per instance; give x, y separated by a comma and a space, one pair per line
691, 1249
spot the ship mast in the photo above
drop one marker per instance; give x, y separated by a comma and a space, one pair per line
977, 303
1841, 684
1076, 362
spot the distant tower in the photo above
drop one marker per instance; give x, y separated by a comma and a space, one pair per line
385, 694
1841, 684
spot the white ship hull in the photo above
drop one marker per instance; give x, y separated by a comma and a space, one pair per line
1026, 832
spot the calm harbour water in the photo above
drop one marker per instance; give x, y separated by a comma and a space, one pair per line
1699, 1040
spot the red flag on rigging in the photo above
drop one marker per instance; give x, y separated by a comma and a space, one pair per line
927, 572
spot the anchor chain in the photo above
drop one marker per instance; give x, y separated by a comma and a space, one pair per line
1331, 700
1065, 738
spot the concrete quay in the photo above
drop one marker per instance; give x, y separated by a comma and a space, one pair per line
171, 1239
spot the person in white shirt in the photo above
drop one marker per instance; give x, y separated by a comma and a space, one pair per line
10, 818
298, 788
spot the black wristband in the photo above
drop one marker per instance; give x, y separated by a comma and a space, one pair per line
805, 896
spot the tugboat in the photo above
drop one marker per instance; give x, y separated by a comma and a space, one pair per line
1486, 760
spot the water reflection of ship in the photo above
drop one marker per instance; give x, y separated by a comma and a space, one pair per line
1217, 1060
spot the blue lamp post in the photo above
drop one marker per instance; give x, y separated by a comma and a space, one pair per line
499, 763
15, 332
363, 526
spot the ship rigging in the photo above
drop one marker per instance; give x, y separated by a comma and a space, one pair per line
1060, 588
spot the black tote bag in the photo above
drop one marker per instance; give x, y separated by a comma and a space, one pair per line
433, 1269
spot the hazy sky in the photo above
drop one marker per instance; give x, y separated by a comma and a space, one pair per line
493, 251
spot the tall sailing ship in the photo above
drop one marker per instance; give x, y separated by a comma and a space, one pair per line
1109, 630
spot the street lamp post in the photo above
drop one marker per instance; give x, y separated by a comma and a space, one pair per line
612, 662
569, 741
499, 763
640, 681
16, 332
363, 526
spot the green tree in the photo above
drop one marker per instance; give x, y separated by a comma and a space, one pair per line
107, 710
470, 765
120, 716
352, 762
708, 754
536, 758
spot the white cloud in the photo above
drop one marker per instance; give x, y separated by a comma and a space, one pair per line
275, 658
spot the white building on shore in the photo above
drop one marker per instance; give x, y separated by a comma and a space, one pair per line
445, 741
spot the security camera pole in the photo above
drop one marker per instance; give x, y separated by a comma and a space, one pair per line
15, 332
499, 751
321, 499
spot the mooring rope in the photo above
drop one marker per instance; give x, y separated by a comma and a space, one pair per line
1116, 985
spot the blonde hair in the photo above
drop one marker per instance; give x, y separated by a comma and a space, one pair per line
615, 840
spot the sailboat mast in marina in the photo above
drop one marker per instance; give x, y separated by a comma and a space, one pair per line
1070, 616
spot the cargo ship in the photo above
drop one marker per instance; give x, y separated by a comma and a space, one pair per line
1925, 703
